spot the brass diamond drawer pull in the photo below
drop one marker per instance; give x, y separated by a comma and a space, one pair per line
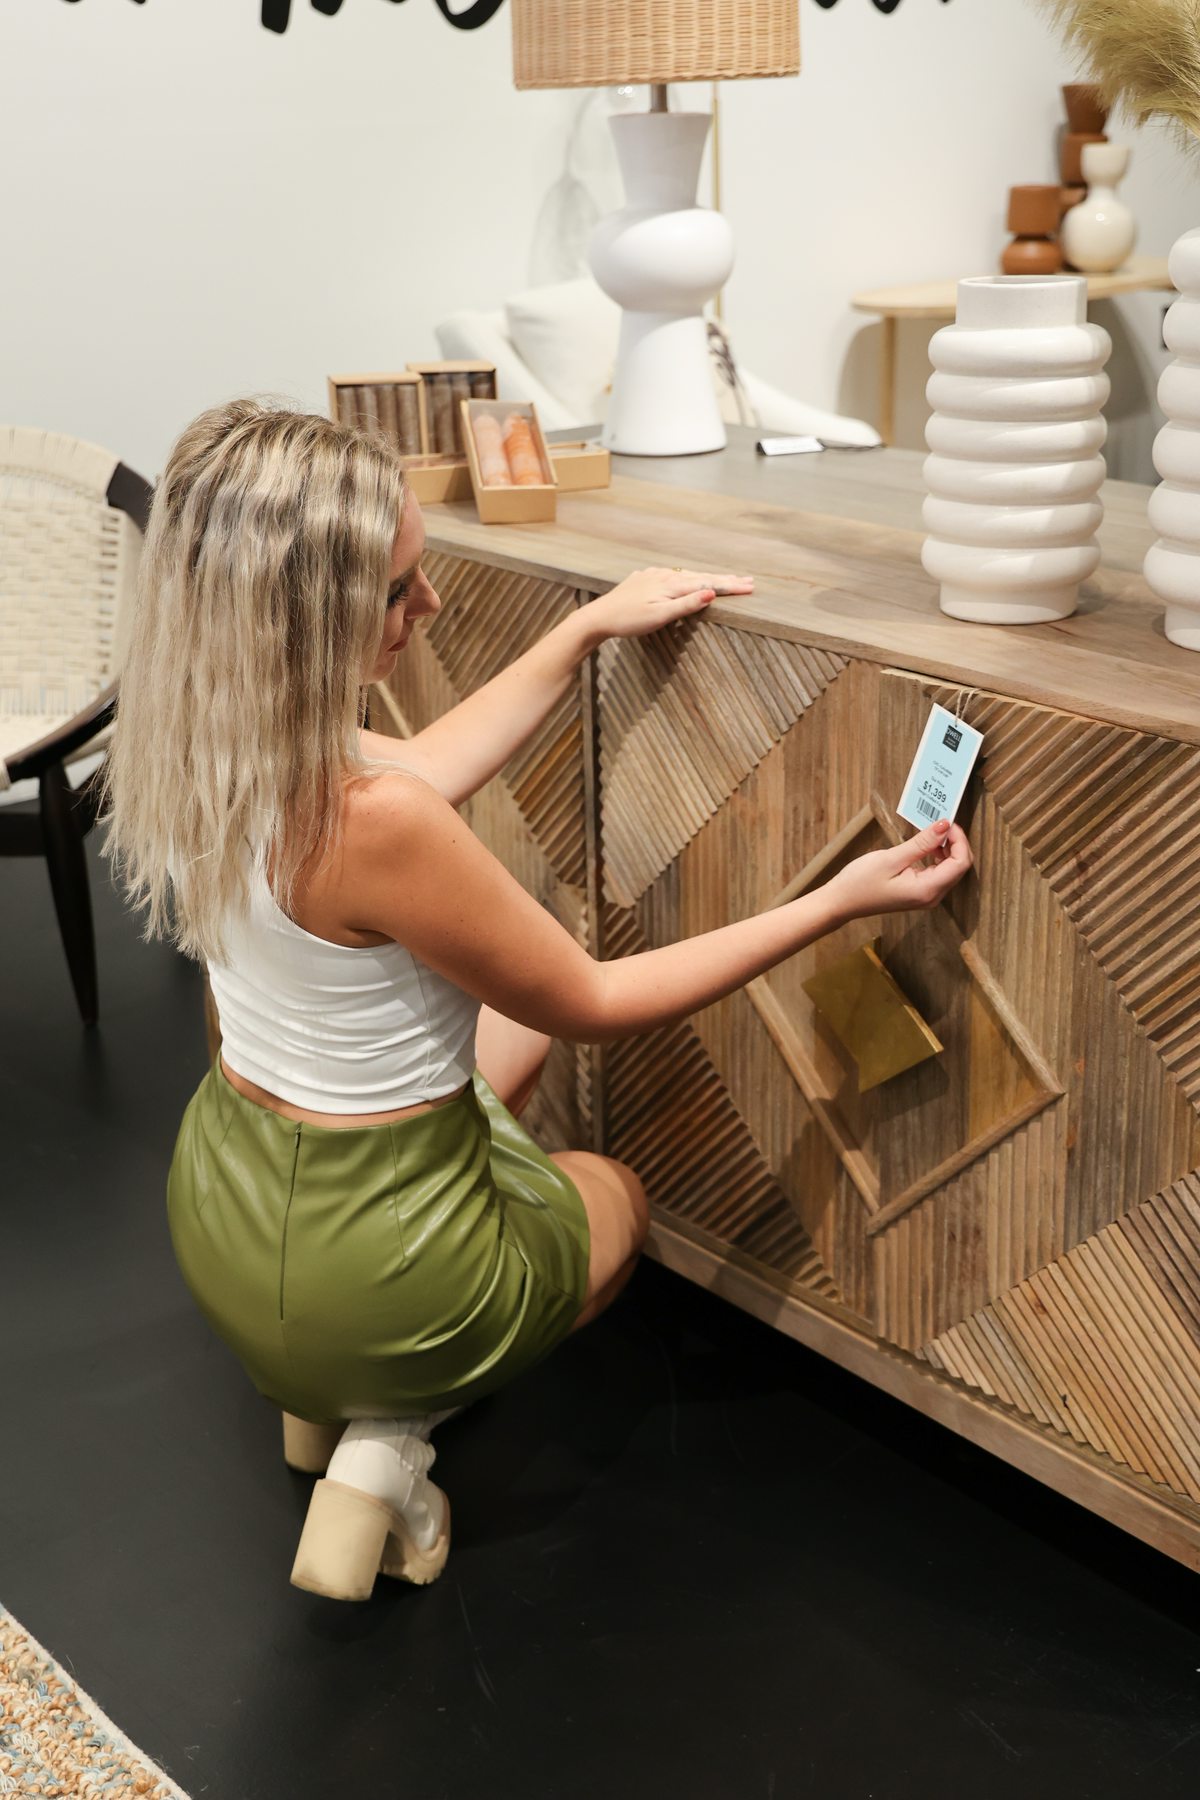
871, 1017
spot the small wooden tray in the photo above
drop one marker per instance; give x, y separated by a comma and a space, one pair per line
435, 479
581, 465
446, 384
510, 505
368, 403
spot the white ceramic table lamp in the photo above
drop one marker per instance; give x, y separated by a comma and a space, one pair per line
662, 257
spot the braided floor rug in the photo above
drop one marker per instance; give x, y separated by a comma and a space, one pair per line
55, 1743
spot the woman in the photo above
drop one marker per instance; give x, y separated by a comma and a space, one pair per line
352, 1203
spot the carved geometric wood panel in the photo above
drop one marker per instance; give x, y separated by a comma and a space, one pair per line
674, 1121
1020, 1216
1103, 1344
533, 816
1126, 1127
1013, 1172
489, 617
684, 716
1111, 819
934, 1120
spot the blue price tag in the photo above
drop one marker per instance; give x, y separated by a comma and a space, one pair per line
938, 778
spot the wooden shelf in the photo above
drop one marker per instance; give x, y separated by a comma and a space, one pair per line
937, 299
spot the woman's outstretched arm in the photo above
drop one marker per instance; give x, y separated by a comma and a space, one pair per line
413, 870
463, 749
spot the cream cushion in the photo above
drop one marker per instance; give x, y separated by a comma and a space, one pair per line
563, 363
567, 334
477, 335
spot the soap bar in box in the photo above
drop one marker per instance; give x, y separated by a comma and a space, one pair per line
520, 503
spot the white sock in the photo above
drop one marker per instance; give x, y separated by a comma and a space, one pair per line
391, 1459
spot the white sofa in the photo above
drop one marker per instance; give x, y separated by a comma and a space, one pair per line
556, 345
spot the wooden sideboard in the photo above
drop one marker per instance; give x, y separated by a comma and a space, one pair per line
1008, 1235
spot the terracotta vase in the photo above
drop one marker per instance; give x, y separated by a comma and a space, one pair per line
1033, 214
1032, 256
1086, 111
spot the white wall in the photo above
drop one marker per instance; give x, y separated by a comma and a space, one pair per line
196, 207
206, 208
888, 160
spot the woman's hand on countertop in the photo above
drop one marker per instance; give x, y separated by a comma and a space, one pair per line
651, 598
911, 877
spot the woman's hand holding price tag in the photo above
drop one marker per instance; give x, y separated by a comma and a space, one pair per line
911, 877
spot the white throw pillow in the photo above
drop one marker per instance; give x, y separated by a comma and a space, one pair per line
567, 333
481, 336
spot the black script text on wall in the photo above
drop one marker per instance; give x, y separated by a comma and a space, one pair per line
883, 6
276, 13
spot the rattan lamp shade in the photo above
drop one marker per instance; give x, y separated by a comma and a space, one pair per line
608, 43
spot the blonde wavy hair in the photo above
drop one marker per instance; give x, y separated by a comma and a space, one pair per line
261, 602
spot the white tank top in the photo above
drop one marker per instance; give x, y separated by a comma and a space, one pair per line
336, 1029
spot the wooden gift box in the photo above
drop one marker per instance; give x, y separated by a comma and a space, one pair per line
446, 385
581, 465
436, 479
439, 475
370, 403
363, 401
510, 505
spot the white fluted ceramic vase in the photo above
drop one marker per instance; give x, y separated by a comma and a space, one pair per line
1173, 563
1015, 468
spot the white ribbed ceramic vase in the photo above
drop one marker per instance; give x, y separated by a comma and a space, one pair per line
1173, 563
1015, 438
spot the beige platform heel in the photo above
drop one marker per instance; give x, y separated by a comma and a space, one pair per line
349, 1537
306, 1447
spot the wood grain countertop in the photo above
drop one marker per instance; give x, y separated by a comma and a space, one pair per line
834, 542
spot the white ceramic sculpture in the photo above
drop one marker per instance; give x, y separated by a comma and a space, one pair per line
1015, 439
661, 258
1098, 234
1173, 563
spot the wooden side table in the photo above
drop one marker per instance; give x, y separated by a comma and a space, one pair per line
936, 300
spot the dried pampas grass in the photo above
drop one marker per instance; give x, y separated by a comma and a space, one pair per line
1142, 54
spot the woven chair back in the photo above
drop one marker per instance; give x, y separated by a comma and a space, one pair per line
68, 562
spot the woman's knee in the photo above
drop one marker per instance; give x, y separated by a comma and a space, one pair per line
616, 1204
618, 1220
639, 1201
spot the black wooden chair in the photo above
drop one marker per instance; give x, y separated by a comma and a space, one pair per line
72, 518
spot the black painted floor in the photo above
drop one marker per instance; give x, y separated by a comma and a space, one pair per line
691, 1559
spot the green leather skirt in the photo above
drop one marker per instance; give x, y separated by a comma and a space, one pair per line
380, 1270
